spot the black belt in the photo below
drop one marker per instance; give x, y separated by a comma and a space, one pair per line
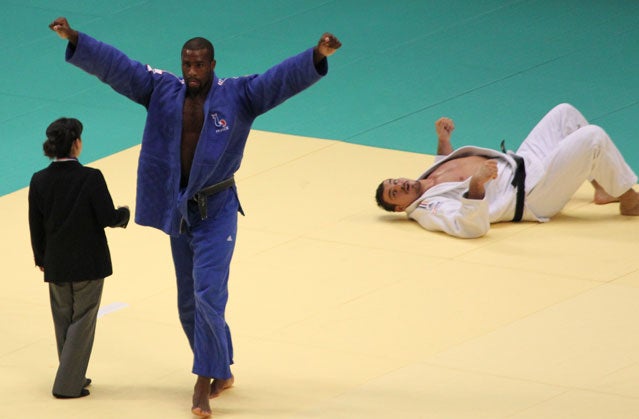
519, 182
201, 196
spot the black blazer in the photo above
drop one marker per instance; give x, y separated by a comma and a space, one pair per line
69, 207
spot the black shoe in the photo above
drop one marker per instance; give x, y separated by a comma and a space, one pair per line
87, 383
83, 393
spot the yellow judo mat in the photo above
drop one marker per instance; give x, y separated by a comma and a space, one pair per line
340, 310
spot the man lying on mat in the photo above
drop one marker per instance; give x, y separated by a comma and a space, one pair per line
468, 189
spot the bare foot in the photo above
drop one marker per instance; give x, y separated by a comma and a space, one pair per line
218, 386
602, 197
201, 406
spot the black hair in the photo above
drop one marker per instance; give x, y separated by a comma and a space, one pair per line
61, 134
379, 197
200, 43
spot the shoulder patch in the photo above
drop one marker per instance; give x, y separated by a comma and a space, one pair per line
160, 72
221, 81
153, 70
430, 206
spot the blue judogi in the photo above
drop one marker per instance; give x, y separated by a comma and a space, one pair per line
202, 251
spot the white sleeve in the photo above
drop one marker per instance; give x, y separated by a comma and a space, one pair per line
464, 218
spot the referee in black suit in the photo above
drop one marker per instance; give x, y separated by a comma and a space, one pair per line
69, 207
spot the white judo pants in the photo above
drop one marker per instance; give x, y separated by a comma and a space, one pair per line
563, 151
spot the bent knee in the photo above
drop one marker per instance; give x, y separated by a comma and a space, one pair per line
565, 108
594, 134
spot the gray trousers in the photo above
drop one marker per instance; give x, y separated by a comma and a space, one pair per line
74, 306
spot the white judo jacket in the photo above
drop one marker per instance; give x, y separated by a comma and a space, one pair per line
444, 207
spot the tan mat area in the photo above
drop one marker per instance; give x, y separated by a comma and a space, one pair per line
339, 310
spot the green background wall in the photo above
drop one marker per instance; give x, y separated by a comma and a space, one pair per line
494, 66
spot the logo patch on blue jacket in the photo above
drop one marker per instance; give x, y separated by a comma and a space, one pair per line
219, 122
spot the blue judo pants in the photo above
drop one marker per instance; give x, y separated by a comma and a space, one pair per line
202, 257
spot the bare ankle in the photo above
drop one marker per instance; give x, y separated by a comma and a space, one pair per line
201, 406
219, 385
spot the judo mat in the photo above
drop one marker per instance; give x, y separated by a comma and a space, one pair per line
338, 309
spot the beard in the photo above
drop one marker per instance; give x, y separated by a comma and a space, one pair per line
201, 87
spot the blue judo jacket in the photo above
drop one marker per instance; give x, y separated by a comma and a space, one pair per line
230, 109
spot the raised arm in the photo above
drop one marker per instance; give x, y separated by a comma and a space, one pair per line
444, 128
126, 76
291, 76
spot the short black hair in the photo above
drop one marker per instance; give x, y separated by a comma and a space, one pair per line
379, 197
61, 134
200, 43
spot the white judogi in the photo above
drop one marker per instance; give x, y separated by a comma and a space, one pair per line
560, 153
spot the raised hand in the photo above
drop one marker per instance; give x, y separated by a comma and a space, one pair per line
64, 31
486, 172
444, 128
328, 44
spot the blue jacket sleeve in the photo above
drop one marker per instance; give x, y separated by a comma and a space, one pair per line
284, 80
126, 76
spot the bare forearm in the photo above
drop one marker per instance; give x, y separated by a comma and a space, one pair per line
73, 37
476, 189
444, 147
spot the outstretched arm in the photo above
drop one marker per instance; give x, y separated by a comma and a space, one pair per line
64, 31
444, 128
291, 76
326, 46
126, 76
